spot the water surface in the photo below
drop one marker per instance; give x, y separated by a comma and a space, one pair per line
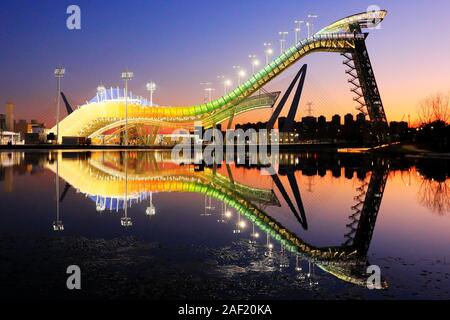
141, 226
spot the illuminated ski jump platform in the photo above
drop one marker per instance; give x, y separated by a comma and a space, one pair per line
343, 36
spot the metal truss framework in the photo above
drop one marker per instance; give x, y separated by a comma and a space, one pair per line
365, 88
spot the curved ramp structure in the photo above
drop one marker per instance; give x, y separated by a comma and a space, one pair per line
343, 36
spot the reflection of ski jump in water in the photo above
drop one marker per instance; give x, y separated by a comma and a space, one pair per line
98, 178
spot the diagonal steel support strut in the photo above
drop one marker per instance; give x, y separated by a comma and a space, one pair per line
295, 102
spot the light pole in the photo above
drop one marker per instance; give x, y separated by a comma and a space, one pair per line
283, 35
151, 88
268, 51
126, 76
298, 30
254, 61
310, 24
209, 91
206, 85
59, 73
226, 83
240, 72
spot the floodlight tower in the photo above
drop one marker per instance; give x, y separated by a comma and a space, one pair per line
268, 51
240, 72
151, 88
283, 35
298, 30
151, 210
310, 24
126, 76
209, 91
59, 73
226, 83
206, 91
254, 61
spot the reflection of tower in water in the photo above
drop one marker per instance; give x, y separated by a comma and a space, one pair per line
100, 204
209, 208
57, 224
151, 210
269, 246
254, 235
240, 224
125, 221
224, 214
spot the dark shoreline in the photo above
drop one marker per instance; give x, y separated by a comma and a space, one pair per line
407, 150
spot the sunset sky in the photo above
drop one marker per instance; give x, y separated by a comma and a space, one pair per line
179, 44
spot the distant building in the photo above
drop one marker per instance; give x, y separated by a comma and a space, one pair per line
9, 116
321, 120
334, 129
309, 127
36, 127
2, 122
21, 127
336, 120
8, 137
321, 127
32, 132
348, 120
355, 129
361, 118
398, 130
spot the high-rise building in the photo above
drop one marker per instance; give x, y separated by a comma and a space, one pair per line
9, 116
348, 120
321, 127
361, 118
321, 120
336, 120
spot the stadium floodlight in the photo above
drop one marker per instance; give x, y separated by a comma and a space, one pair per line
151, 88
59, 73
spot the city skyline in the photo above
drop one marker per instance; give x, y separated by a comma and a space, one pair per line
43, 42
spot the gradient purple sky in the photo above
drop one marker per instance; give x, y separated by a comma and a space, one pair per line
180, 44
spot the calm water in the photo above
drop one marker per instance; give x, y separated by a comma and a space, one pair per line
140, 226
